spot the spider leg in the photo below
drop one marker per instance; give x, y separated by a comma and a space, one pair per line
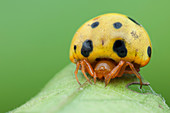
114, 72
76, 71
89, 68
84, 72
128, 71
122, 70
135, 72
94, 77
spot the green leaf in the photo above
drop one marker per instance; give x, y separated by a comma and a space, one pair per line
64, 95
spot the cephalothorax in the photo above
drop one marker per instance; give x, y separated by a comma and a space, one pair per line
108, 46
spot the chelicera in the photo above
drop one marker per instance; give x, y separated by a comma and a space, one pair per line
107, 69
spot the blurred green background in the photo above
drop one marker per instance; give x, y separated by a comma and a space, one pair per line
35, 36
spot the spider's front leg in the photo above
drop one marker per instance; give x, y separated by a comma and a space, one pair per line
115, 72
120, 69
85, 67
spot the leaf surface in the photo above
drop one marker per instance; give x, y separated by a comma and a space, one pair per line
64, 95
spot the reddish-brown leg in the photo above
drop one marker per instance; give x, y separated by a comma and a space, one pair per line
135, 72
122, 70
76, 71
89, 68
114, 72
84, 72
94, 77
128, 72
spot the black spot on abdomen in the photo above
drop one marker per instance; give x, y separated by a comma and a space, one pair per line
87, 48
75, 47
102, 42
117, 25
149, 51
120, 48
134, 21
95, 24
